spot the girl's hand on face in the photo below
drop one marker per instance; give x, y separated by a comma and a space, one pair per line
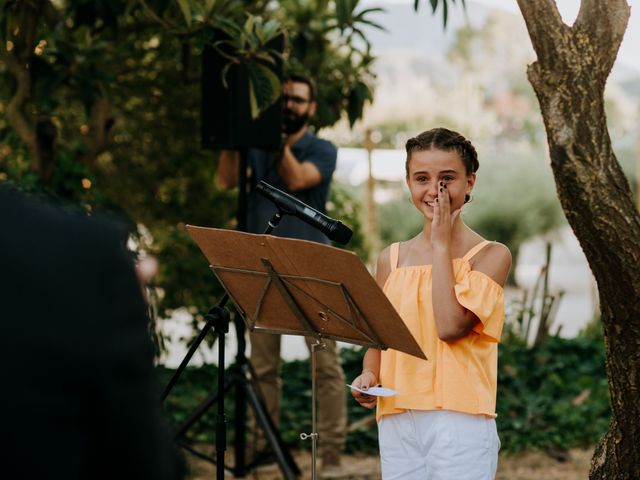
443, 218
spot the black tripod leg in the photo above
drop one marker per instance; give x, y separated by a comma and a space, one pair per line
239, 424
241, 379
200, 410
203, 333
287, 464
185, 360
221, 325
246, 390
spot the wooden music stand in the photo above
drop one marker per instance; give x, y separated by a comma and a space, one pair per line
298, 287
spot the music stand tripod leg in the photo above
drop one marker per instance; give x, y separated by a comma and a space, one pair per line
284, 459
218, 318
220, 322
246, 389
319, 344
187, 358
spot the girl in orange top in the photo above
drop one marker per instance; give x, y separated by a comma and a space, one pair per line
446, 284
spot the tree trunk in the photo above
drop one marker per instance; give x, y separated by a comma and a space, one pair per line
100, 127
569, 77
15, 52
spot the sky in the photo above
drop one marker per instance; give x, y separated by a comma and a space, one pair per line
629, 54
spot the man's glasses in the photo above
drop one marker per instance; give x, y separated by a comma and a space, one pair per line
295, 99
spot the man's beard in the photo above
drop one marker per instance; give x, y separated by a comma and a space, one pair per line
292, 122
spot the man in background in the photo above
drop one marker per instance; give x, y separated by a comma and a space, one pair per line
304, 168
78, 395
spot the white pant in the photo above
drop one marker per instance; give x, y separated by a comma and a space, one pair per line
438, 445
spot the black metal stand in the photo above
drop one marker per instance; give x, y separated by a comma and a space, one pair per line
242, 378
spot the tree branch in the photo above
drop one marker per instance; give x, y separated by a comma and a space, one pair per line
37, 137
546, 29
100, 126
15, 112
155, 17
602, 25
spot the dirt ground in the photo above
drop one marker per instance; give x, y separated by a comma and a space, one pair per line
525, 466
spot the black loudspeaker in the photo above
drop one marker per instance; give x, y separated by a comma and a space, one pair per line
226, 112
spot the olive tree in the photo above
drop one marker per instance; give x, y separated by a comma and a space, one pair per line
569, 78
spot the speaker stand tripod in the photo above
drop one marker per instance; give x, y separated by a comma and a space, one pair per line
242, 379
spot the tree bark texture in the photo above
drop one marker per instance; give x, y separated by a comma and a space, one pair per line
569, 78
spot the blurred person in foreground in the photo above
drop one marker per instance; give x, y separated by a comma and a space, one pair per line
79, 399
303, 168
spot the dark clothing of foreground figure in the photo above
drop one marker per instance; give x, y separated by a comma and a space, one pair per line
78, 397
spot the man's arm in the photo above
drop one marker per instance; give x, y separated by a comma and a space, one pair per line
297, 175
227, 172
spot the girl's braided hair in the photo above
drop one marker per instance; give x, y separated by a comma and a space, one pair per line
448, 141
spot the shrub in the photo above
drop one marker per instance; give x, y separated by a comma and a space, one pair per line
553, 395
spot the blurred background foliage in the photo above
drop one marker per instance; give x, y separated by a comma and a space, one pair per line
100, 108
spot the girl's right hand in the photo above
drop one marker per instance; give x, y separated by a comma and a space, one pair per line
365, 380
443, 218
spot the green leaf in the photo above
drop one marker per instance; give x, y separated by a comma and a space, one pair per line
208, 6
363, 38
358, 95
186, 10
367, 11
445, 12
270, 30
343, 13
249, 39
264, 87
225, 71
373, 24
253, 102
265, 57
249, 24
259, 33
228, 25
372, 10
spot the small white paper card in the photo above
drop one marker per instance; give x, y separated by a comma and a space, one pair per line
376, 391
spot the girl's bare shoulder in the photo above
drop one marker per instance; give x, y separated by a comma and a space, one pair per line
493, 260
